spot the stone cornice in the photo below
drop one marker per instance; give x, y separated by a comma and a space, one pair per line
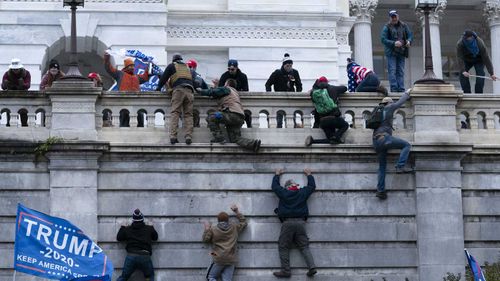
363, 10
248, 32
492, 11
435, 15
93, 1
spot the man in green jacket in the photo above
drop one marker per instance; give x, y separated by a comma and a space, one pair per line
472, 52
223, 238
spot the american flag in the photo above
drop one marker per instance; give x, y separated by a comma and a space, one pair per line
356, 74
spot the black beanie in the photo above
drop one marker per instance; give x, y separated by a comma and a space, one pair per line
137, 215
54, 63
176, 57
287, 59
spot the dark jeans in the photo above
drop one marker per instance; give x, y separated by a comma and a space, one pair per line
369, 84
396, 71
293, 231
464, 81
382, 144
133, 262
232, 121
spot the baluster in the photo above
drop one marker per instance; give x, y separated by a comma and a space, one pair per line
31, 120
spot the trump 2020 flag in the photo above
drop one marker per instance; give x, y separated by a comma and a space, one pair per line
475, 268
54, 248
101, 278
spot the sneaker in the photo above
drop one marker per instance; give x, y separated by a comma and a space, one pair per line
174, 140
189, 141
404, 170
383, 90
311, 272
282, 274
256, 146
309, 140
382, 195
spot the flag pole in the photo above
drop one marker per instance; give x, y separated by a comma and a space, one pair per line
14, 277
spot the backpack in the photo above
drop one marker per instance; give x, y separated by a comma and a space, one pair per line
322, 101
375, 118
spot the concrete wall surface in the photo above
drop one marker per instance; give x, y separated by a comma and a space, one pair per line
96, 176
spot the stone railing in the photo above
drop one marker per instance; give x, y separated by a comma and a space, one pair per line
24, 109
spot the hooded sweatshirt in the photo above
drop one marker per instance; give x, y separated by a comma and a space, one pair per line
138, 237
224, 237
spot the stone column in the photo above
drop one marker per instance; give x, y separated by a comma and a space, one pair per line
73, 109
440, 232
434, 19
73, 183
363, 10
492, 12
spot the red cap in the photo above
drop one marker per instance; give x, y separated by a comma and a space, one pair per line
192, 63
322, 79
92, 75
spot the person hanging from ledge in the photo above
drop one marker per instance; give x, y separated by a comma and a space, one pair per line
231, 114
223, 237
472, 52
139, 238
362, 79
53, 74
293, 213
383, 141
180, 84
17, 77
325, 98
285, 79
234, 72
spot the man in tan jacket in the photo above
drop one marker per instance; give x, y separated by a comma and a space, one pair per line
223, 238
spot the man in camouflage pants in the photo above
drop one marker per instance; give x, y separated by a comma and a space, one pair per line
231, 114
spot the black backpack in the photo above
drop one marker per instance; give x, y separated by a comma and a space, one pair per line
375, 118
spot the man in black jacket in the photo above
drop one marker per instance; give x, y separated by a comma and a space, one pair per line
332, 122
285, 79
138, 237
293, 212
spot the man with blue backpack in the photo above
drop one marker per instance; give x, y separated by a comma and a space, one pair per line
325, 98
380, 121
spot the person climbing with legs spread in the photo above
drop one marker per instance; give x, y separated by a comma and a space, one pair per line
383, 140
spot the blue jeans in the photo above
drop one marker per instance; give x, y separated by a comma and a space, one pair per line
224, 271
464, 81
382, 145
396, 70
369, 84
133, 262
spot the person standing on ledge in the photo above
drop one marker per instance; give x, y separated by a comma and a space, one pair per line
293, 213
397, 38
472, 52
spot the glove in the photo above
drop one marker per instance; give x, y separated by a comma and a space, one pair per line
218, 115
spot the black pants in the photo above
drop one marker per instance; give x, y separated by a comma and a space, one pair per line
293, 232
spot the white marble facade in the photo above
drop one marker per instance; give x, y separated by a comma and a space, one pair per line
255, 32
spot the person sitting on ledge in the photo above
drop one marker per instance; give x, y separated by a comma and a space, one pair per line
53, 74
16, 78
325, 98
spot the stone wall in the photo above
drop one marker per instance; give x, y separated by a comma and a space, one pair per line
98, 175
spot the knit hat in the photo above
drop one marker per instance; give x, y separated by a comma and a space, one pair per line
232, 62
54, 64
291, 185
222, 216
322, 79
176, 57
15, 64
287, 59
128, 62
393, 13
137, 215
386, 100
